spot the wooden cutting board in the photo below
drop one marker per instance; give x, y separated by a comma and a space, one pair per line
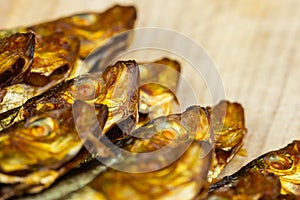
254, 45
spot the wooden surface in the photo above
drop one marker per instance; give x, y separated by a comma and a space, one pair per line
255, 45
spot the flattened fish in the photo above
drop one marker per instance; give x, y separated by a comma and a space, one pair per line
155, 101
253, 185
284, 163
165, 72
16, 56
61, 44
183, 178
92, 29
159, 80
121, 92
35, 152
229, 131
117, 88
55, 58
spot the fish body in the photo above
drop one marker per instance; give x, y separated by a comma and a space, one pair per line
16, 57
283, 163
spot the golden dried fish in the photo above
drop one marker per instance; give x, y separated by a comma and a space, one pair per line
34, 153
251, 186
117, 88
165, 72
284, 163
229, 130
51, 161
183, 178
58, 42
159, 80
155, 101
72, 181
16, 55
121, 94
92, 29
54, 59
193, 124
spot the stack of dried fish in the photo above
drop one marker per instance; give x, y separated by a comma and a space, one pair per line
39, 140
37, 58
56, 124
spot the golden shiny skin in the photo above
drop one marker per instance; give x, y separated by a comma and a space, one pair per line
16, 56
34, 153
159, 80
229, 131
183, 178
284, 163
55, 57
155, 101
253, 185
60, 46
117, 88
92, 29
165, 72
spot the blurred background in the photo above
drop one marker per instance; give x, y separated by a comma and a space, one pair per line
254, 45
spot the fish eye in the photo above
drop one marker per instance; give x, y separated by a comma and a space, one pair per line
42, 127
279, 162
86, 88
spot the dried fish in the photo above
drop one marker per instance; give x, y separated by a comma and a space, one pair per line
92, 29
193, 124
117, 88
34, 153
155, 101
229, 131
253, 185
72, 181
121, 93
43, 104
60, 45
159, 80
16, 56
183, 178
165, 72
54, 59
284, 163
